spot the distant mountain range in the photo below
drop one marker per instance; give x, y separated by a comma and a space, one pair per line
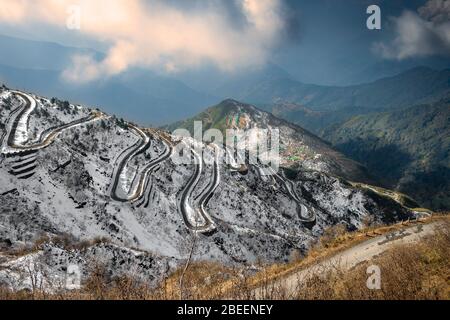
316, 107
138, 95
150, 98
417, 85
39, 55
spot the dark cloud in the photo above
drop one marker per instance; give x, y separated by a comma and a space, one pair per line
233, 12
420, 34
293, 22
437, 11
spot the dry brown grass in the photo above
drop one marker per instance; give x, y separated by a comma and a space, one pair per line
336, 239
414, 271
239, 284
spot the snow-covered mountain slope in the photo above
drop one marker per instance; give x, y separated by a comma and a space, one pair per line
82, 174
298, 147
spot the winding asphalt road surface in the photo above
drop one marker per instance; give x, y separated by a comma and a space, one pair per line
306, 214
138, 188
211, 188
122, 160
184, 205
351, 257
148, 169
47, 137
25, 110
7, 122
5, 130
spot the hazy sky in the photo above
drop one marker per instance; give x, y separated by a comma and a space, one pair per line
333, 39
319, 41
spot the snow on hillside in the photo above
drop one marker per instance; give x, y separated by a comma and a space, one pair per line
70, 191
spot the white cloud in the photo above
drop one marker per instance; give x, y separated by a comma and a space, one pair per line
157, 34
420, 34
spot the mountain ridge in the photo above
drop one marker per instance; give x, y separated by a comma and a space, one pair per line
292, 136
326, 106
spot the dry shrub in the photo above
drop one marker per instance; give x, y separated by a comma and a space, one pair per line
202, 280
64, 241
333, 236
101, 286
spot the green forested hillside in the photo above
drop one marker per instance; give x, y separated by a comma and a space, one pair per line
406, 149
213, 117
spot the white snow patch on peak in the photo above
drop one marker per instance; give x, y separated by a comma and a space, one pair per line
5, 95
